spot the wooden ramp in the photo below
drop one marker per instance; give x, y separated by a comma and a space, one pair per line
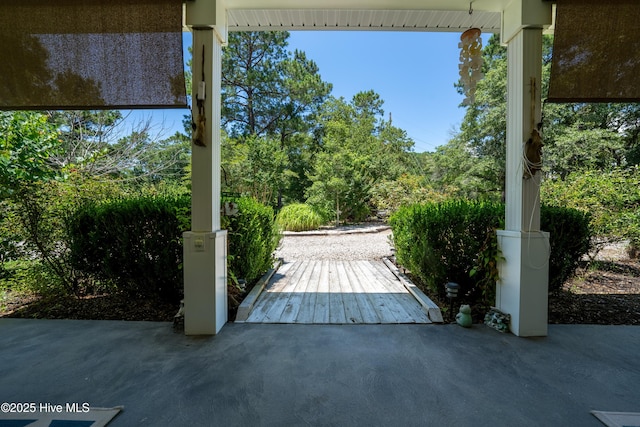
336, 292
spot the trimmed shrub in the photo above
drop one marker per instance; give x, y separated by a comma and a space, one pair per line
440, 242
253, 237
447, 241
134, 244
299, 217
569, 238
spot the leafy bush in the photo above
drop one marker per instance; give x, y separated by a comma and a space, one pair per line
10, 235
38, 215
135, 244
448, 241
299, 217
569, 238
611, 197
440, 242
405, 190
253, 237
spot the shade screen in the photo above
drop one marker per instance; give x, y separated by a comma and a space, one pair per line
91, 54
596, 51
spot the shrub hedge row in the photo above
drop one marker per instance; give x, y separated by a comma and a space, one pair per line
442, 242
135, 244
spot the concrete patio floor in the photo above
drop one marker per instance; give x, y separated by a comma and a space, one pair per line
333, 375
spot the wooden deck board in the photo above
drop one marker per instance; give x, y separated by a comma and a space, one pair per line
296, 293
336, 303
410, 309
321, 310
336, 292
309, 298
383, 299
365, 304
276, 297
272, 291
351, 309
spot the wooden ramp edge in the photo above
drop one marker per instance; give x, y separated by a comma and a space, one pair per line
432, 309
249, 301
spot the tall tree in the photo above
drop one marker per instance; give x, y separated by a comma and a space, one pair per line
251, 81
268, 91
576, 136
265, 88
358, 149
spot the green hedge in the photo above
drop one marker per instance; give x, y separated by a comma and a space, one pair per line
442, 242
253, 237
570, 236
135, 244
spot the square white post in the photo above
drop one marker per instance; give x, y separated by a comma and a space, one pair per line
205, 246
522, 290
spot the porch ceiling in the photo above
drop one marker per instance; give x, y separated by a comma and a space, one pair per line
392, 15
362, 19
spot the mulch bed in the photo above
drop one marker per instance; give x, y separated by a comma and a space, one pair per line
604, 293
102, 307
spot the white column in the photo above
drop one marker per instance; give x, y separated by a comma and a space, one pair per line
522, 290
205, 268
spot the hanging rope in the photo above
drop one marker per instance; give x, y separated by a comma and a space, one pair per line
199, 128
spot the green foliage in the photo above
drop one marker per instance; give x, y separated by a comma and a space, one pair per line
486, 271
441, 242
358, 149
93, 143
30, 276
576, 136
570, 240
134, 244
17, 275
10, 234
406, 190
267, 90
455, 241
263, 172
42, 210
473, 162
576, 148
27, 142
299, 217
253, 237
611, 197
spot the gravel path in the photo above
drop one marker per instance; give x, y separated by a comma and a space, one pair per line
348, 243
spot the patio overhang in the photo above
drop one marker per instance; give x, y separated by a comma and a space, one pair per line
491, 16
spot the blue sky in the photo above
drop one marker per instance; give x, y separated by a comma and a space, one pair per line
413, 72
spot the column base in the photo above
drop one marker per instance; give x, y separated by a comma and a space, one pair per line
523, 288
205, 282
